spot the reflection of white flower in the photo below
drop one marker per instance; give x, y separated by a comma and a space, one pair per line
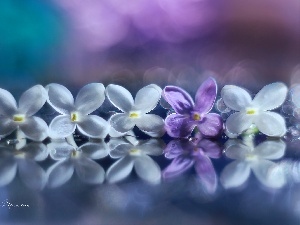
13, 116
135, 155
79, 159
247, 158
255, 111
23, 160
135, 111
76, 113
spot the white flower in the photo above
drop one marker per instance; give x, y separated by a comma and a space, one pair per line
135, 110
255, 111
258, 159
75, 113
79, 159
134, 155
23, 160
13, 116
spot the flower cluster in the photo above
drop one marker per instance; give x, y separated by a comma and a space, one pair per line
187, 115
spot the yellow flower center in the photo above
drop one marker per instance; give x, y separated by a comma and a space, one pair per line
134, 152
196, 117
251, 111
74, 117
19, 118
134, 115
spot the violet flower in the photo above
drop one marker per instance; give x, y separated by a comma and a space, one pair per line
189, 114
186, 154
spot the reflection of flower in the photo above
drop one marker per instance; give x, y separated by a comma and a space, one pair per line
257, 158
76, 113
186, 153
135, 155
190, 114
135, 111
21, 116
23, 160
255, 111
78, 159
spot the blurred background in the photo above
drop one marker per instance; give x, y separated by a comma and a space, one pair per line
132, 43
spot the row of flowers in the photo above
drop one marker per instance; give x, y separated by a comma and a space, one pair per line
131, 153
186, 115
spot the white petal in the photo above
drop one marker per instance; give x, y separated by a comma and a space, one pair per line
59, 173
271, 96
121, 122
60, 98
60, 150
113, 133
32, 174
61, 126
235, 174
270, 149
32, 100
147, 98
93, 126
34, 128
8, 104
151, 123
95, 150
90, 98
295, 94
119, 97
152, 147
237, 151
147, 169
269, 173
7, 126
8, 170
119, 170
235, 97
89, 171
120, 149
36, 151
271, 124
238, 122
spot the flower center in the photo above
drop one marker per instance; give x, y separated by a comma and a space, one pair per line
196, 116
74, 117
250, 111
251, 157
134, 152
19, 118
74, 153
134, 115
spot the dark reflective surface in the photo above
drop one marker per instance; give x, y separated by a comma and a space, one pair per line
151, 181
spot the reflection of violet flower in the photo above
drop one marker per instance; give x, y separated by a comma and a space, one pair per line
189, 114
186, 154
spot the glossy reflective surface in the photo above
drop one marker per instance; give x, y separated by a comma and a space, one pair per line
150, 181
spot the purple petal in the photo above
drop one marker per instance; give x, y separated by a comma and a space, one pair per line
206, 173
179, 126
211, 125
179, 99
206, 95
178, 166
176, 148
210, 148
